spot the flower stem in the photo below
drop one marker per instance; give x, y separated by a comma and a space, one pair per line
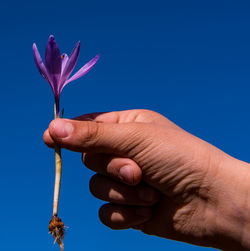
56, 226
58, 163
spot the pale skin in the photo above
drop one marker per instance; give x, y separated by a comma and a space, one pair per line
160, 179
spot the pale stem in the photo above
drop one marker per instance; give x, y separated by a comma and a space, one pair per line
56, 226
58, 163
58, 174
62, 248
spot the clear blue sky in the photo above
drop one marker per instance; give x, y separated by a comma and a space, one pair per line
189, 60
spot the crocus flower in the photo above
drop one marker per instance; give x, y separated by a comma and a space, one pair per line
57, 68
57, 71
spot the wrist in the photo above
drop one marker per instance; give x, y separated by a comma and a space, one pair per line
232, 205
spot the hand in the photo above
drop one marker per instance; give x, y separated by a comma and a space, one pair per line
160, 179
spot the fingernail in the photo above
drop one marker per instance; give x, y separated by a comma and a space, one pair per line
144, 211
146, 195
127, 174
61, 128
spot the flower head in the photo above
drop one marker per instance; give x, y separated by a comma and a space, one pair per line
57, 68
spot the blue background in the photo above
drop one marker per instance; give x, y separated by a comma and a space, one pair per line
189, 60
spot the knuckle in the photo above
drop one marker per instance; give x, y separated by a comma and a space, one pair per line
93, 132
146, 111
148, 114
144, 115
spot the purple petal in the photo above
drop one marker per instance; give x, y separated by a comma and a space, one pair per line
64, 60
85, 69
67, 70
40, 66
53, 62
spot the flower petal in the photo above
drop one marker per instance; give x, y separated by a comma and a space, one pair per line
85, 69
71, 62
40, 66
64, 60
53, 62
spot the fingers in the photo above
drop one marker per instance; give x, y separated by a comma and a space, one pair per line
48, 140
109, 190
128, 116
122, 169
123, 217
83, 136
130, 206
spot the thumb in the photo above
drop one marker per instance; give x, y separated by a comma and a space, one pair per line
90, 136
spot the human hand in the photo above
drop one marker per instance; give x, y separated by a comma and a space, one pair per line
160, 179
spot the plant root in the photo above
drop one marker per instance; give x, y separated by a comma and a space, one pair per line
57, 230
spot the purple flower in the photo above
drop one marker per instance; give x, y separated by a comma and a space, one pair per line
57, 68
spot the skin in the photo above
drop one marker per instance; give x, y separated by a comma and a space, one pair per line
160, 179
